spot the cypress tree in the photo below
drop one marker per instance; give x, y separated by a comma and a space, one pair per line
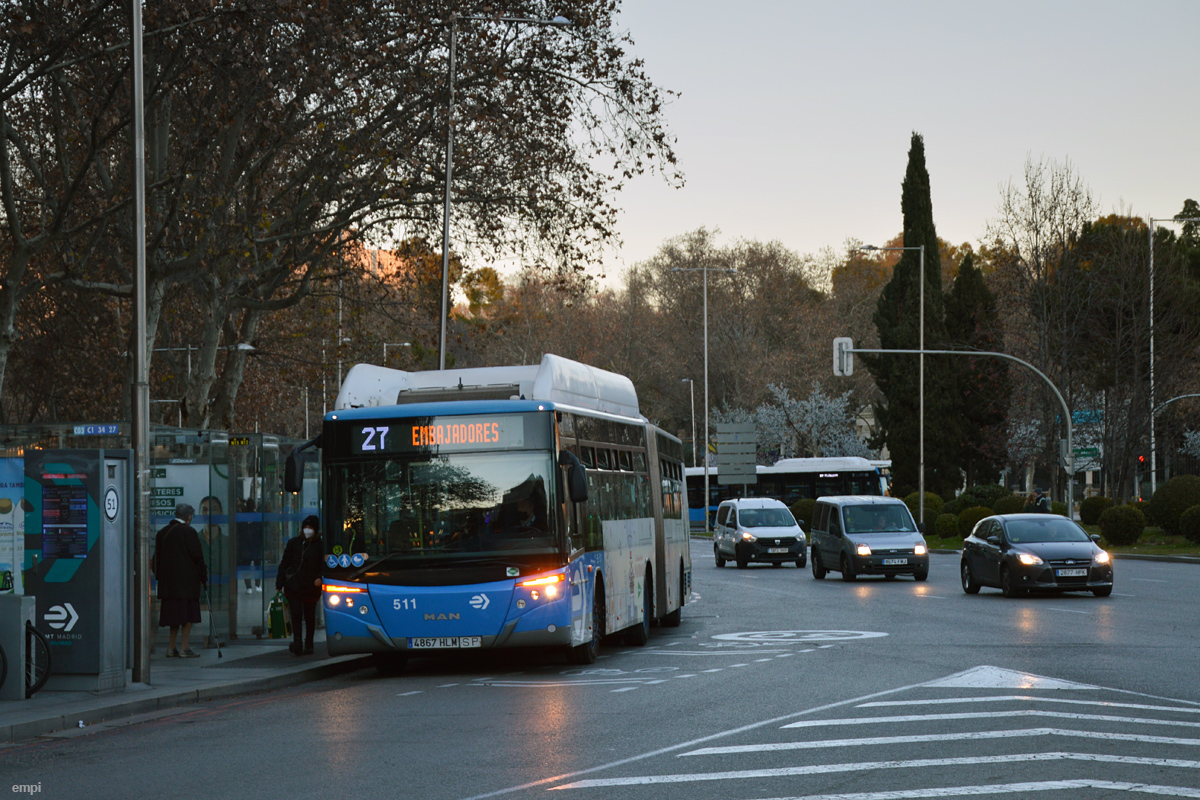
972, 323
897, 318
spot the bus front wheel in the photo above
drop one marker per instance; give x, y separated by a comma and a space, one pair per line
587, 652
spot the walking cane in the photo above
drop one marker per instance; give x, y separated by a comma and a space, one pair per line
212, 626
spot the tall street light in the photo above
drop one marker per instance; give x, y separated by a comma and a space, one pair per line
692, 393
920, 380
705, 270
454, 18
1153, 410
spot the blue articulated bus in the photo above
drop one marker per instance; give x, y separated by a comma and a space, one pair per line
497, 507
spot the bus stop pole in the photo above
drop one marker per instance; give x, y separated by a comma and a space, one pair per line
140, 401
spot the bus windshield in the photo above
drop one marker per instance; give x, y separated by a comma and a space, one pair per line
447, 508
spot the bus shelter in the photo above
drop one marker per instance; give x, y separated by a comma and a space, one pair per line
233, 480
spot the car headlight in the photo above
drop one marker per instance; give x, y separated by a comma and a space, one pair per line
919, 550
1029, 560
1102, 557
863, 550
748, 536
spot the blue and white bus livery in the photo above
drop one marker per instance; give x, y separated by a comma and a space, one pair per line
539, 510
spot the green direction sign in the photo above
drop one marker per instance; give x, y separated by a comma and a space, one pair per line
1087, 452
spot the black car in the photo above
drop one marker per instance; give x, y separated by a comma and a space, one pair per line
1021, 552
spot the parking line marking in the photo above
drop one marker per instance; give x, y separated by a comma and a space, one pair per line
940, 737
816, 723
865, 766
945, 701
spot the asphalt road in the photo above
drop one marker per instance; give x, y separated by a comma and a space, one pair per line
776, 685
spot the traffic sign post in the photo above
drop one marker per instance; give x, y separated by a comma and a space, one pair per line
737, 447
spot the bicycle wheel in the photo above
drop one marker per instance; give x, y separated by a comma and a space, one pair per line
37, 660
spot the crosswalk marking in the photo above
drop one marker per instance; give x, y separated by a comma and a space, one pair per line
1022, 733
868, 766
944, 701
819, 723
1006, 788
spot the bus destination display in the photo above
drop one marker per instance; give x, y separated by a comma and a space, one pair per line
443, 434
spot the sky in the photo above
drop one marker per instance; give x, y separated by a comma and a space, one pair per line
794, 118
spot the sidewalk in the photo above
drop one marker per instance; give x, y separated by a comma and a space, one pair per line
245, 666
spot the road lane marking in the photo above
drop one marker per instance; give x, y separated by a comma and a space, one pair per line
816, 723
761, 660
987, 677
1006, 788
772, 747
626, 689
869, 766
945, 701
1068, 610
1148, 580
407, 694
693, 742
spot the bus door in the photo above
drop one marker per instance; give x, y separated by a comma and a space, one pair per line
573, 517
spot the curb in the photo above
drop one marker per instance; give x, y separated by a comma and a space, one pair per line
32, 728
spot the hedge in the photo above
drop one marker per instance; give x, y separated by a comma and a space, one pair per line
1189, 524
968, 519
1013, 504
1122, 526
802, 510
1091, 508
946, 526
933, 507
1172, 499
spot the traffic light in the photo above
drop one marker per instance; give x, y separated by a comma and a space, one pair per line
1141, 459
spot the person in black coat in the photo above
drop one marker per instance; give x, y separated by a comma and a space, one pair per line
299, 578
178, 564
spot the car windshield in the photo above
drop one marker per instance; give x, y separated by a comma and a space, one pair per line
1044, 529
890, 518
766, 518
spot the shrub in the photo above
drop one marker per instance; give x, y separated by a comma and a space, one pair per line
1172, 499
1058, 508
1092, 507
1012, 504
933, 507
1189, 524
946, 526
989, 493
1122, 525
803, 512
1144, 507
968, 519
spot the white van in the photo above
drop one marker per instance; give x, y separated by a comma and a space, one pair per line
758, 529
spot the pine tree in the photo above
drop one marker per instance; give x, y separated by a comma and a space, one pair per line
897, 318
971, 323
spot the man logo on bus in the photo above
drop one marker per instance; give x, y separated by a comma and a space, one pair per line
435, 617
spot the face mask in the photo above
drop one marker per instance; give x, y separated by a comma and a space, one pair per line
308, 533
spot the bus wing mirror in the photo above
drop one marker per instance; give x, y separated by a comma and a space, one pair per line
293, 468
577, 488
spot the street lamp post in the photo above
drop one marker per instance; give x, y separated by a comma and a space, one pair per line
454, 18
692, 393
1153, 411
705, 270
920, 380
393, 344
